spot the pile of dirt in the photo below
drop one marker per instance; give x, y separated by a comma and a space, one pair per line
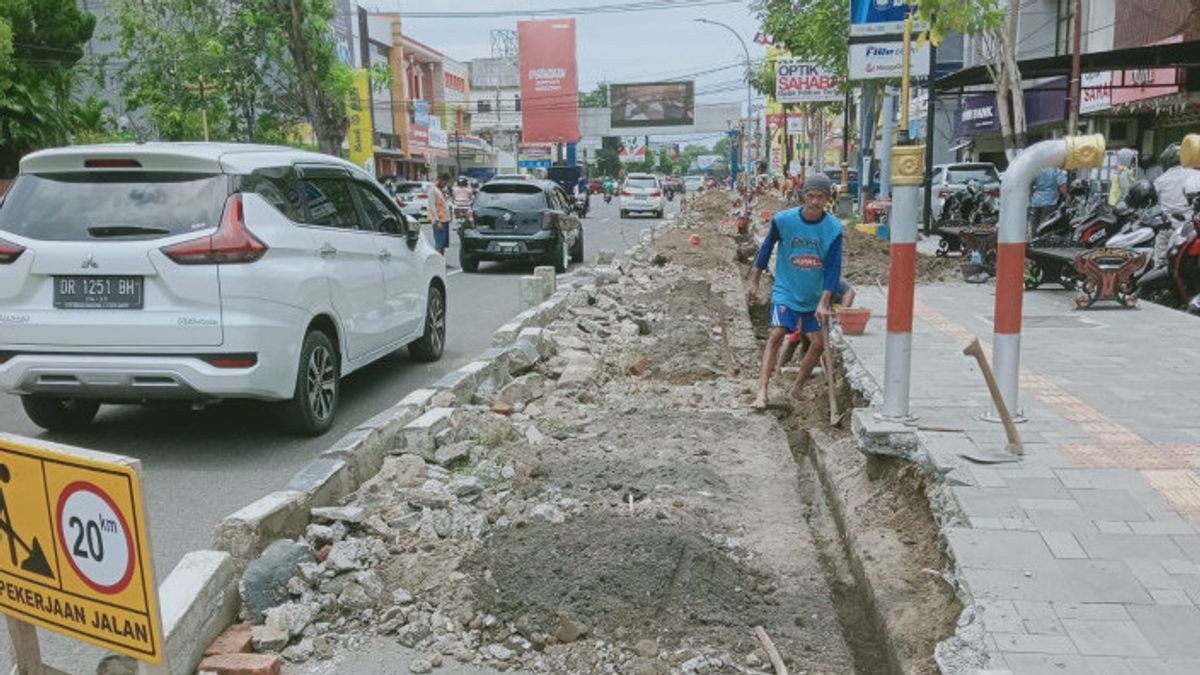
618, 575
865, 261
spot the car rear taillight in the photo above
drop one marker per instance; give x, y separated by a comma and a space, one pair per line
9, 252
232, 243
233, 360
655, 193
422, 196
626, 193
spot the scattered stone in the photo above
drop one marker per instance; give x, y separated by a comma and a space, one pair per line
501, 407
268, 638
299, 652
323, 552
696, 664
466, 487
644, 666
402, 597
420, 666
295, 586
646, 648
319, 535
409, 471
322, 647
450, 455
443, 399
499, 652
426, 499
348, 554
292, 616
534, 436
354, 597
569, 630
412, 634
435, 660
344, 514
264, 583
548, 512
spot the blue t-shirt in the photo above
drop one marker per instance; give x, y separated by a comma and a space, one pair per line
1045, 186
809, 260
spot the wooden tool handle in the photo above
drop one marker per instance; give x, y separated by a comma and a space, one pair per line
1010, 429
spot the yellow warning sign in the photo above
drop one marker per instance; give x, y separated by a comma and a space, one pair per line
73, 551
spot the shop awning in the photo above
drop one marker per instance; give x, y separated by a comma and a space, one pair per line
1178, 54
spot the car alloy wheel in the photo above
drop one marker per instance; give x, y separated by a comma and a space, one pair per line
320, 383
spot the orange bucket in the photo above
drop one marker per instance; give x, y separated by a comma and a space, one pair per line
853, 320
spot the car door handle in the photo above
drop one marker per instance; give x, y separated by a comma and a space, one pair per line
385, 255
327, 251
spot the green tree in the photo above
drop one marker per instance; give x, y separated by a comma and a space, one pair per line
665, 163
41, 45
818, 30
608, 157
318, 79
649, 161
596, 98
188, 58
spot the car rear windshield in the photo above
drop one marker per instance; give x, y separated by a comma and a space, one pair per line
983, 174
641, 183
138, 204
511, 196
409, 188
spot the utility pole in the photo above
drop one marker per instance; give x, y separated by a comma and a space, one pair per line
1076, 41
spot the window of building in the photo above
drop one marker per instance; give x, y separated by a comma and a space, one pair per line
485, 106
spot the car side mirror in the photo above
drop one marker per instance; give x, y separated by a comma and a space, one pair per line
391, 225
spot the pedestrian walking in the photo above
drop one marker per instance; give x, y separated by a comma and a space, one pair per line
439, 213
808, 269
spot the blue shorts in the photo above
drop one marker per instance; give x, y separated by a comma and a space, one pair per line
782, 315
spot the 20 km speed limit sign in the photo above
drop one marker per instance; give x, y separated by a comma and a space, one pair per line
74, 554
96, 538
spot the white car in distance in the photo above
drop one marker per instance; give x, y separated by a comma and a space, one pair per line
203, 271
642, 193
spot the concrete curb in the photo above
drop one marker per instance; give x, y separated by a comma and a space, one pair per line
200, 597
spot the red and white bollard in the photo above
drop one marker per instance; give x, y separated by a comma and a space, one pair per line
1073, 152
907, 173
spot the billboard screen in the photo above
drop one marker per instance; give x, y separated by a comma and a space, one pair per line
549, 82
881, 17
652, 104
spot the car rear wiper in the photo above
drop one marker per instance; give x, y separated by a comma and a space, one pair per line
124, 230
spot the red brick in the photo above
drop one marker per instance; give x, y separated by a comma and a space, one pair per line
242, 664
501, 407
233, 640
639, 367
323, 552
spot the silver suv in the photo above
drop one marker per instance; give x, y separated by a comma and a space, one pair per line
199, 272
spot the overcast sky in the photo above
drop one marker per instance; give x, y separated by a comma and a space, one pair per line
617, 47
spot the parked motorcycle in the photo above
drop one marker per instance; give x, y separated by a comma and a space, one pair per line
1177, 283
971, 206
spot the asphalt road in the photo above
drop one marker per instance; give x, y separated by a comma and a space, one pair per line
200, 466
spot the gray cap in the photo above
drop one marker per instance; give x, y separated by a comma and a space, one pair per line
817, 181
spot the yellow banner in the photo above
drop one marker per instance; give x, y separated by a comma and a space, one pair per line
73, 551
361, 132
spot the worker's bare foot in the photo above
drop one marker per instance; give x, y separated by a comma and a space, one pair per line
760, 402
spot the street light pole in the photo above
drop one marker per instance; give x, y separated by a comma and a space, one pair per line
749, 108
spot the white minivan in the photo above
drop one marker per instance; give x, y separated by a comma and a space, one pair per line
642, 193
203, 271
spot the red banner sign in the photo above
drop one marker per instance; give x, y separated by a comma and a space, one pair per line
549, 82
